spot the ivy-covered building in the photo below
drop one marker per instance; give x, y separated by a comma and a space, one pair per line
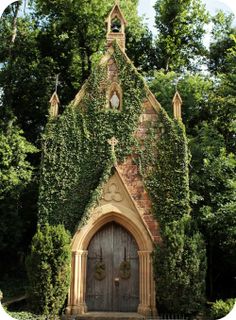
115, 174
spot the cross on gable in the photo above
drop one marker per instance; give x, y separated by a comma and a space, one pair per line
112, 142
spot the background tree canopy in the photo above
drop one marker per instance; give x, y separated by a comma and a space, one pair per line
68, 38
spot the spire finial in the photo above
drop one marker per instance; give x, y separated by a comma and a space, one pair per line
54, 101
57, 82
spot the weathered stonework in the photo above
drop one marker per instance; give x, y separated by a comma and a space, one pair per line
129, 172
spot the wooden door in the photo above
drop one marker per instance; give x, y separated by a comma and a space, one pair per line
112, 271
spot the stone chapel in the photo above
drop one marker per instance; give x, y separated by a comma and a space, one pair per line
112, 249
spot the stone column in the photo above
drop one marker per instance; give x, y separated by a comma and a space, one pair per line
147, 304
76, 301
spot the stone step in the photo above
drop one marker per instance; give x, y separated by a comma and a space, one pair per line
106, 315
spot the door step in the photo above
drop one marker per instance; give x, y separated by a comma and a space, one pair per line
106, 316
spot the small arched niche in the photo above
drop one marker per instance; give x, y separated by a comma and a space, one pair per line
116, 25
115, 97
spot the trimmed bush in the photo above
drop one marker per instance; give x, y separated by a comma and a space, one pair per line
221, 308
48, 268
179, 265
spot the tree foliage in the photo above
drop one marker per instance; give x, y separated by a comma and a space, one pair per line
16, 173
180, 25
221, 309
221, 42
16, 170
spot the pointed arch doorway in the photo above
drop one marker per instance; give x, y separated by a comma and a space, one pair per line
131, 224
112, 270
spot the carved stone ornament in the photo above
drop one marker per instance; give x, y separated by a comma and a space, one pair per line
115, 101
112, 193
100, 271
125, 270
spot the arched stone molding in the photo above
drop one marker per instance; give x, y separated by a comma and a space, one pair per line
117, 213
134, 224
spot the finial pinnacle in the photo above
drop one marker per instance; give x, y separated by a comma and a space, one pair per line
54, 102
177, 103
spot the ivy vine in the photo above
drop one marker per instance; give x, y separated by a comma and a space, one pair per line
77, 159
77, 162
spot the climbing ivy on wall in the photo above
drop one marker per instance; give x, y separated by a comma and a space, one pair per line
77, 161
180, 260
166, 173
77, 158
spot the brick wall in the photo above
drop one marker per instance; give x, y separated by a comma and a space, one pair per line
133, 180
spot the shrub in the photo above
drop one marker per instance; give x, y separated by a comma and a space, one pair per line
26, 316
221, 308
179, 265
48, 268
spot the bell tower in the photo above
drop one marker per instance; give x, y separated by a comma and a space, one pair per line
116, 27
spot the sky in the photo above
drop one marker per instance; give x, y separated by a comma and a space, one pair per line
146, 8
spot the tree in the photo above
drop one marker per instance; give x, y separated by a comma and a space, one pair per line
26, 77
48, 268
221, 42
15, 175
181, 26
196, 91
15, 171
224, 100
141, 50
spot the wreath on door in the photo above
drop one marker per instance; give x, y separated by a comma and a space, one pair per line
100, 271
125, 270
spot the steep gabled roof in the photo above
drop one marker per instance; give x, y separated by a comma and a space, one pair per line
116, 11
104, 60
